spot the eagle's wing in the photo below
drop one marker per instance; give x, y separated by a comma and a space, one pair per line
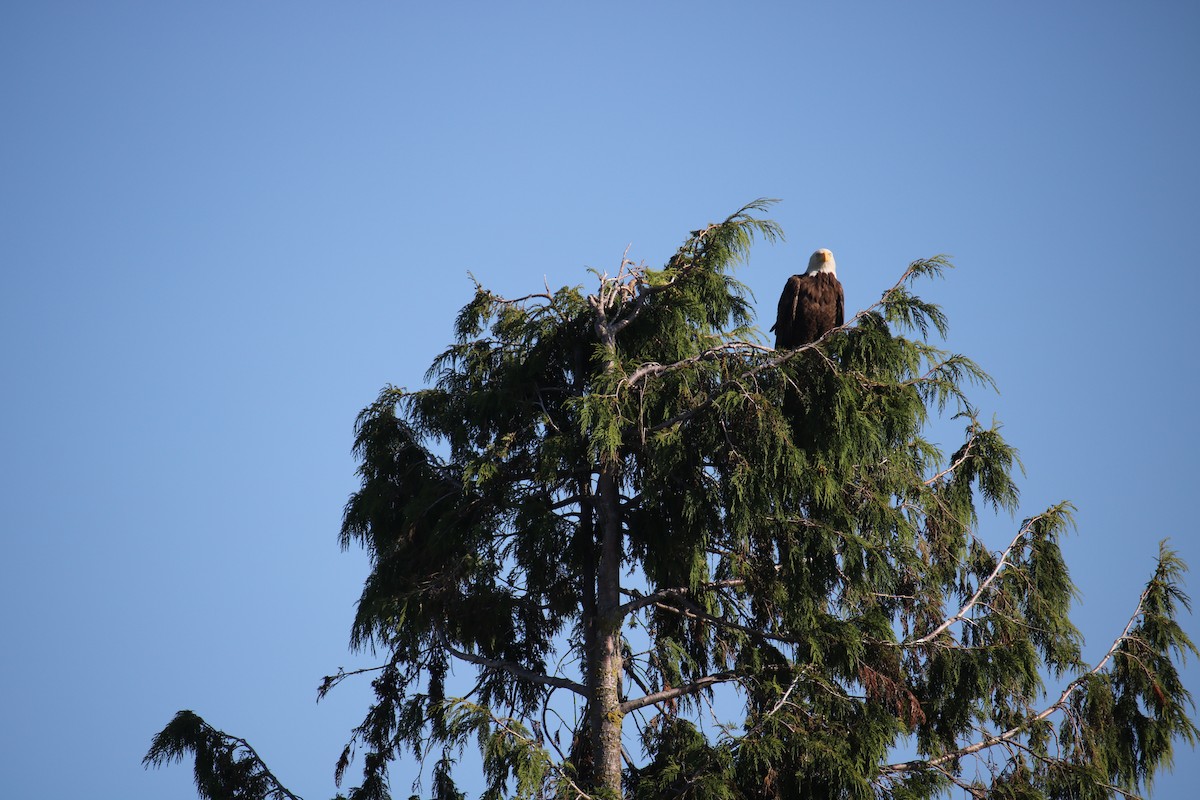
785, 318
840, 319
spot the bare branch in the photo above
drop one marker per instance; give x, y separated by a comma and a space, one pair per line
549, 298
654, 368
678, 691
330, 681
692, 611
640, 600
966, 452
513, 669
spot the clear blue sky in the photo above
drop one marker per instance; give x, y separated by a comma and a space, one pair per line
224, 226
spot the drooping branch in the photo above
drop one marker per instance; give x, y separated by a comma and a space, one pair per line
958, 462
225, 765
963, 613
477, 717
1058, 705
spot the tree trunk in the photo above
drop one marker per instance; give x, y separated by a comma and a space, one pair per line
604, 679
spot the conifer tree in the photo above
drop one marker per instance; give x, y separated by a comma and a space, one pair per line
616, 509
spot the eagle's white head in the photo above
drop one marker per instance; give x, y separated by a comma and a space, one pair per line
822, 261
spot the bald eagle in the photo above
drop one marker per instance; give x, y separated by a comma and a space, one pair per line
811, 304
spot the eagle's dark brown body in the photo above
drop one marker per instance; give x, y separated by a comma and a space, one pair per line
811, 305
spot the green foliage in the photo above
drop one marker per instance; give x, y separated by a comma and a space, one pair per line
226, 767
1123, 721
684, 765
631, 467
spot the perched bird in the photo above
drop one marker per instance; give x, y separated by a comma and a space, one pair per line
812, 304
